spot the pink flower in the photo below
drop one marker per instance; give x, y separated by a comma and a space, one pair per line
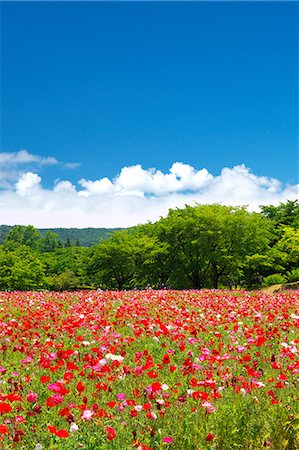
87, 414
32, 397
55, 400
241, 348
54, 387
19, 419
167, 440
209, 407
121, 396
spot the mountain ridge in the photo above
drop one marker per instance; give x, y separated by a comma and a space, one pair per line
87, 237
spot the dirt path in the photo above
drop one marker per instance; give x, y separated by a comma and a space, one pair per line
272, 289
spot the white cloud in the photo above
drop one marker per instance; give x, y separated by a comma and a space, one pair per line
71, 165
134, 180
64, 186
14, 164
28, 184
135, 195
23, 157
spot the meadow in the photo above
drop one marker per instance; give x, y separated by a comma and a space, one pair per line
178, 370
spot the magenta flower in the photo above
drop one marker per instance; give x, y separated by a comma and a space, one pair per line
167, 440
32, 397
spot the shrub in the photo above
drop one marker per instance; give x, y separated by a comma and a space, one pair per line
293, 275
276, 278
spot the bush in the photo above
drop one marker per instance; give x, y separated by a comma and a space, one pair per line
276, 278
293, 275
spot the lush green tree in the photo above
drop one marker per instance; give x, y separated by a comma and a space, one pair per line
21, 269
112, 265
208, 242
65, 281
286, 250
20, 235
49, 243
66, 260
126, 259
283, 214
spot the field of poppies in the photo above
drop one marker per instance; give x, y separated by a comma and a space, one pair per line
149, 370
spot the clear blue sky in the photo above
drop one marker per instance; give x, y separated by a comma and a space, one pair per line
115, 84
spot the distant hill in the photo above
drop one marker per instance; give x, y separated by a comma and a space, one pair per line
85, 236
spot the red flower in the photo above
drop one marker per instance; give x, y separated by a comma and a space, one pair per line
5, 408
111, 404
166, 359
3, 429
111, 434
152, 374
62, 434
80, 387
209, 437
44, 379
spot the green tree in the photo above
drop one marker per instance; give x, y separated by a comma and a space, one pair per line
20, 235
210, 242
49, 243
283, 214
21, 270
112, 265
66, 260
286, 250
125, 260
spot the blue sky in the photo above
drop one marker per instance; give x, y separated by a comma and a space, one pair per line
115, 85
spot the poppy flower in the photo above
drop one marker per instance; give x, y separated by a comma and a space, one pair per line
111, 434
209, 437
3, 429
166, 359
167, 440
62, 434
5, 408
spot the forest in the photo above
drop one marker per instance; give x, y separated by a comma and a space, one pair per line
202, 246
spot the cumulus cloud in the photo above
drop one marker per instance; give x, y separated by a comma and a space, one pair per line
14, 164
135, 195
135, 180
28, 184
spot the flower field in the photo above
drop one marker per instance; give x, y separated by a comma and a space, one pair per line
149, 370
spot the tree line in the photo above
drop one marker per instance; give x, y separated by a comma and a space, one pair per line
202, 246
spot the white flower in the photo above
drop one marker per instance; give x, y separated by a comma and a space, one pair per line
38, 447
164, 387
112, 357
74, 427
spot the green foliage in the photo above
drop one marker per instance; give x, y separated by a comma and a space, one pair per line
293, 276
19, 235
196, 247
49, 243
286, 250
283, 214
87, 237
4, 229
21, 270
276, 278
209, 242
65, 281
124, 260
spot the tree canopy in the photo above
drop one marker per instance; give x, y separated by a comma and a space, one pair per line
201, 246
